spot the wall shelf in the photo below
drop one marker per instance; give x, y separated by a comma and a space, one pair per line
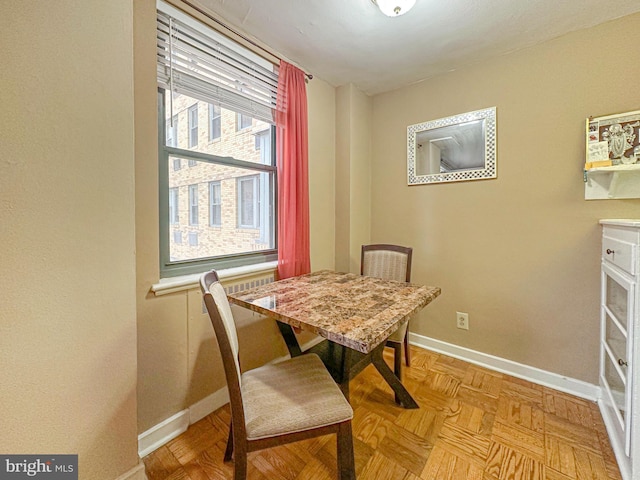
618, 181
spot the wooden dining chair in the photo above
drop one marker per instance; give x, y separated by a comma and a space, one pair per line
390, 262
277, 403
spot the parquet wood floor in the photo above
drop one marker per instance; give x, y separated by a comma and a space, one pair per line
472, 424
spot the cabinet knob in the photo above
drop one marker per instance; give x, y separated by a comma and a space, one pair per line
609, 251
622, 363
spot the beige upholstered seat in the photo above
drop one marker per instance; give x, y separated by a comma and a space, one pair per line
276, 403
390, 262
291, 396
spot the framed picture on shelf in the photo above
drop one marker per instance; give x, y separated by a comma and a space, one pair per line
616, 136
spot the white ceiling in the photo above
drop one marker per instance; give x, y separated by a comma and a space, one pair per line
351, 41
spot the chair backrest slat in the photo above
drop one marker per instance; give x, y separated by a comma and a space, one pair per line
390, 262
215, 299
224, 310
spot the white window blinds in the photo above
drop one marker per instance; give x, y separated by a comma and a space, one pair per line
199, 62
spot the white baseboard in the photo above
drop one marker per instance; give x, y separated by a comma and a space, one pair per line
541, 377
136, 473
207, 405
173, 426
160, 434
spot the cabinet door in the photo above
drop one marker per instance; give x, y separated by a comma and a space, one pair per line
615, 373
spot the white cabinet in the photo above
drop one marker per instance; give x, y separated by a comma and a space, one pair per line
619, 341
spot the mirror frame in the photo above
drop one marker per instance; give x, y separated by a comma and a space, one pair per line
490, 168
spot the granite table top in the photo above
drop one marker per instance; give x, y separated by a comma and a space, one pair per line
356, 311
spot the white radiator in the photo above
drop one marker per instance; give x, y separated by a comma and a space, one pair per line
247, 283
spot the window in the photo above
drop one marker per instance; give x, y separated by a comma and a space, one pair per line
193, 126
233, 174
215, 122
262, 138
244, 121
172, 132
193, 204
248, 202
173, 206
215, 204
193, 239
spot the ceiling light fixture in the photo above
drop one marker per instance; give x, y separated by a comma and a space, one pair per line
394, 8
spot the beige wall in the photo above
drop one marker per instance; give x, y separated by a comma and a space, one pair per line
67, 322
343, 177
178, 359
353, 175
321, 100
519, 253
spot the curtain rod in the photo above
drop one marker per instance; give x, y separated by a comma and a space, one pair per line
235, 32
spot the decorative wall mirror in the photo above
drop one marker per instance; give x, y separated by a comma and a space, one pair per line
453, 149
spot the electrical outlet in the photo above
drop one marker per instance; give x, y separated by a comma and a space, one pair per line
462, 320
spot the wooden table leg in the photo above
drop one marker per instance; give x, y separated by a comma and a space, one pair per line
290, 339
345, 375
394, 382
345, 363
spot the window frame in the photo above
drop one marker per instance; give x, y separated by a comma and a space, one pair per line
192, 124
217, 119
169, 268
173, 129
174, 205
213, 205
193, 205
239, 119
255, 203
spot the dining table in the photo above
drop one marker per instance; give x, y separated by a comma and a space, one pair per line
354, 314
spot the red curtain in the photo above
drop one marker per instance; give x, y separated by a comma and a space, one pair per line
293, 173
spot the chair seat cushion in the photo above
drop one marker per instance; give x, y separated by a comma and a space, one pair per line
291, 396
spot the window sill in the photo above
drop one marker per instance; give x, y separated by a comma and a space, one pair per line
187, 282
